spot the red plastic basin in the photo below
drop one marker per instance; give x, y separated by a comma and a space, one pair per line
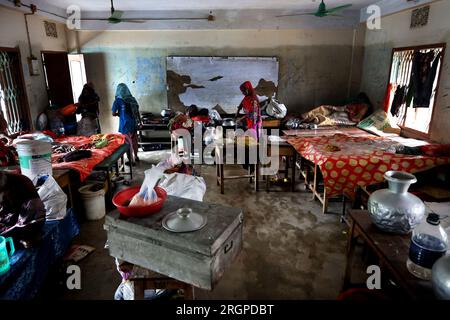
123, 198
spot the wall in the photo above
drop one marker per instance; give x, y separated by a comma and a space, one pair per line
13, 34
314, 64
396, 32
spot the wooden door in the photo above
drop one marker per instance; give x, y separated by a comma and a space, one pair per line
57, 76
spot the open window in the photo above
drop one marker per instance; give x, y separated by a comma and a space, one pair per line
413, 86
13, 98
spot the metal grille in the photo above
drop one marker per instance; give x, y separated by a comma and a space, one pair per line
401, 69
12, 93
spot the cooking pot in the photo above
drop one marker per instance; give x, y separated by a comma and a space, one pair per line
228, 123
166, 113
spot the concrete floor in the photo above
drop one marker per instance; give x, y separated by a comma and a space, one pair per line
291, 249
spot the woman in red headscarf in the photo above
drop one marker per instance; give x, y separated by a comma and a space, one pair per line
251, 107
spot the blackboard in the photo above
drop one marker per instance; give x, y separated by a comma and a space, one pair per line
209, 82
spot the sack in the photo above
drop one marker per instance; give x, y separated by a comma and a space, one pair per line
276, 109
147, 194
53, 197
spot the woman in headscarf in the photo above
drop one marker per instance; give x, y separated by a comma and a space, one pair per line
251, 107
126, 108
88, 108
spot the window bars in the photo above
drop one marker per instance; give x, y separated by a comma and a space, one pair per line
12, 93
401, 70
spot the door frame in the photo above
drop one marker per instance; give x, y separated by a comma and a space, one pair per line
27, 111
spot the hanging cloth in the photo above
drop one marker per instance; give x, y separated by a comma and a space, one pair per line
424, 70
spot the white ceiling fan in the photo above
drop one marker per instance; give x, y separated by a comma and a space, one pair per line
116, 17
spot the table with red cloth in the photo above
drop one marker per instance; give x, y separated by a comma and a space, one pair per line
346, 162
85, 166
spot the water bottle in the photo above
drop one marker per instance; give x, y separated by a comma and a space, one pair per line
428, 243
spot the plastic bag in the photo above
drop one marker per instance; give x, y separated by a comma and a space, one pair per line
147, 194
53, 197
184, 186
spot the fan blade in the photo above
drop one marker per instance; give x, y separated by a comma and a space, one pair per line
339, 8
117, 14
296, 14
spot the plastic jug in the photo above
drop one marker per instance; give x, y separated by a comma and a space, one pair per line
5, 254
428, 243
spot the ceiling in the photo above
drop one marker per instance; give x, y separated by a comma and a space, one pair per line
149, 5
229, 14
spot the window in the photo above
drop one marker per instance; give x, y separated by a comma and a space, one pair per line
13, 100
413, 85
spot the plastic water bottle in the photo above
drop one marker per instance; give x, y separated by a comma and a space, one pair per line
428, 243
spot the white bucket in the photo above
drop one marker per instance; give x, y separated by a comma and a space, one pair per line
35, 158
93, 202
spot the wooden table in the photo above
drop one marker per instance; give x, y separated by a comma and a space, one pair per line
288, 151
222, 159
392, 252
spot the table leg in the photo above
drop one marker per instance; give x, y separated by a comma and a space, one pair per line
325, 200
222, 187
315, 182
256, 177
138, 290
217, 174
189, 292
350, 253
131, 165
286, 167
294, 159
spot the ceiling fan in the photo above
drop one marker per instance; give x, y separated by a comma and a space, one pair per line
116, 17
321, 12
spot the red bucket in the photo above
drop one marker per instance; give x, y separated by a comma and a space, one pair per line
123, 198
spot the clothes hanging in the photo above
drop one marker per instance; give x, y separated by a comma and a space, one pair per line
423, 74
398, 101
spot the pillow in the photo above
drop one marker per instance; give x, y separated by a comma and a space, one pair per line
378, 123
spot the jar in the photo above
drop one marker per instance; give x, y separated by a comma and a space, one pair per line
428, 243
395, 210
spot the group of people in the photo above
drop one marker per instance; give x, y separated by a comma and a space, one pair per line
125, 107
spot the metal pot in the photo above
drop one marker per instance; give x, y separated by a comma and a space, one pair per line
228, 123
395, 210
166, 113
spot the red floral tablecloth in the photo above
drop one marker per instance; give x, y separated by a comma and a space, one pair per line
85, 166
346, 162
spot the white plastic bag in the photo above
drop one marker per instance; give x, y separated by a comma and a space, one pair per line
53, 197
147, 194
184, 186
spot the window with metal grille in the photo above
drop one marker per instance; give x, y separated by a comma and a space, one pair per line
13, 100
413, 85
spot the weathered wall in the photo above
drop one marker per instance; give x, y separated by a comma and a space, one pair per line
13, 34
314, 64
396, 32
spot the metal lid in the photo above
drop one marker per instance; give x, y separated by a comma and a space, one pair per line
433, 219
184, 220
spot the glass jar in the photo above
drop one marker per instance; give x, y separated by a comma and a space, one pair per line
428, 243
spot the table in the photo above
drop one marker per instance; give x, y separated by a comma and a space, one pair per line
288, 151
392, 252
112, 161
154, 133
29, 267
222, 159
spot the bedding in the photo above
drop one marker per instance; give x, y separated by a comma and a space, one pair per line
85, 166
347, 162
